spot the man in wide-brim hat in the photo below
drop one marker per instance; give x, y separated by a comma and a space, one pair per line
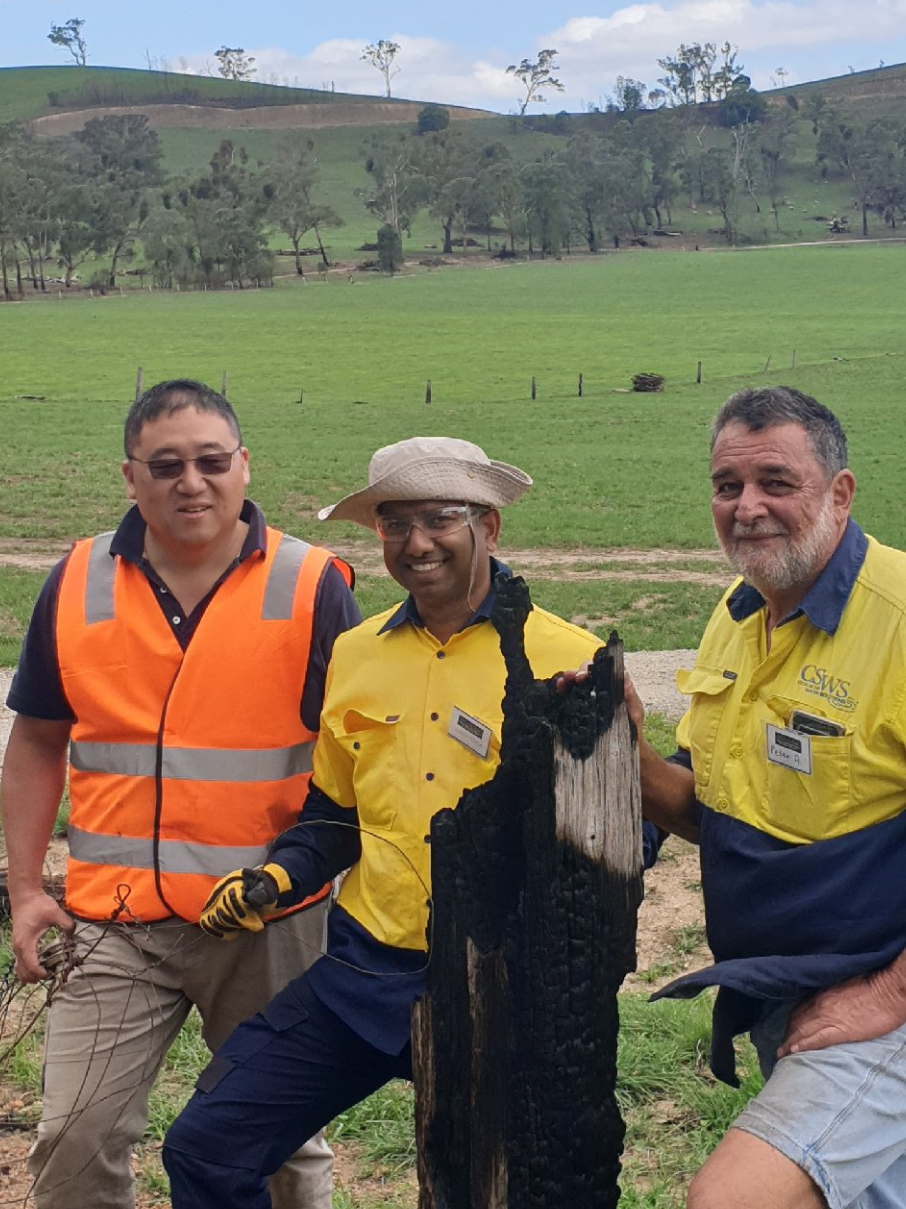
412, 717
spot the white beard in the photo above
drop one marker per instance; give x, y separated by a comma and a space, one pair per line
794, 563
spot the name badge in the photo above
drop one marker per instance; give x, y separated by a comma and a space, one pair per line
470, 732
790, 748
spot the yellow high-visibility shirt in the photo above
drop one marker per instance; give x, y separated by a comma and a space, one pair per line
854, 677
385, 746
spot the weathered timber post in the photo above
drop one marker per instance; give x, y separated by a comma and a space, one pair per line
537, 878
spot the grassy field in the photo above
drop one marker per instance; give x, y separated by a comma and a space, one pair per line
609, 467
362, 352
24, 91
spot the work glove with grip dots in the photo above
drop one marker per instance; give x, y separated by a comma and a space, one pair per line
243, 899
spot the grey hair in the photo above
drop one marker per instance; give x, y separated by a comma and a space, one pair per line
760, 407
175, 395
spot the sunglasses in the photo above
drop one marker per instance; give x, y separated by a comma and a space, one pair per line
208, 464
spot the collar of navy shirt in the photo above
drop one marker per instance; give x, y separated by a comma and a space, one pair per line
408, 611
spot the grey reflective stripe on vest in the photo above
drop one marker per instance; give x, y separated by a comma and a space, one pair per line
281, 582
99, 581
279, 593
176, 856
193, 763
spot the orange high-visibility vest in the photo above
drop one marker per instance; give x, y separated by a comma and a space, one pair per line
184, 765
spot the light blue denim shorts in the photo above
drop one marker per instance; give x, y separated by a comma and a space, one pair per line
838, 1113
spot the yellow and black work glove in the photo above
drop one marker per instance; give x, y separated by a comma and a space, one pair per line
243, 899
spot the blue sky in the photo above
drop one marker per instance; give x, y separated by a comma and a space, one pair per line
459, 53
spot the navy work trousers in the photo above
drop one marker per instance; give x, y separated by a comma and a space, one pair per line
279, 1078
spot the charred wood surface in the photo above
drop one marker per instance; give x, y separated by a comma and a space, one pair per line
537, 880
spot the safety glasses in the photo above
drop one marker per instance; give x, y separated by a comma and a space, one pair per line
207, 464
438, 522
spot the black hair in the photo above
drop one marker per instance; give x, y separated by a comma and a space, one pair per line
167, 397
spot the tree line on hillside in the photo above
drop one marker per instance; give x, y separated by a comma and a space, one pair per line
622, 175
102, 192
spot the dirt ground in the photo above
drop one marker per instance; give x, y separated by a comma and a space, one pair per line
670, 933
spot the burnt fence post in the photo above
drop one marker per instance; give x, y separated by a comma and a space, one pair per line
537, 879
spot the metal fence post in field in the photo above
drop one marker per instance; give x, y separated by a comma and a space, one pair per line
536, 883
138, 384
223, 384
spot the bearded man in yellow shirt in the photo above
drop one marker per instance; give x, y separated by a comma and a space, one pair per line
791, 777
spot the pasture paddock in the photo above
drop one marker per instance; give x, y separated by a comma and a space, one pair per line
614, 471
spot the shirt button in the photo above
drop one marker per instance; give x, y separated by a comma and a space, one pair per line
723, 802
736, 752
429, 776
177, 620
434, 717
356, 745
752, 696
441, 654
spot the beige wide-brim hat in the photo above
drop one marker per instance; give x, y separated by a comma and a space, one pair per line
430, 468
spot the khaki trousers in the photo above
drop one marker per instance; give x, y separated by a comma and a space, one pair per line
109, 1030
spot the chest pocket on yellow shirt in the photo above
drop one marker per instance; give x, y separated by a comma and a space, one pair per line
800, 807
373, 743
710, 692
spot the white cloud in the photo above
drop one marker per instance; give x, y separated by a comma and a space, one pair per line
429, 70
631, 40
809, 38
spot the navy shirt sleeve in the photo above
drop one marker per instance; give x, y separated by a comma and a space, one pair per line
681, 756
37, 690
324, 843
653, 836
335, 611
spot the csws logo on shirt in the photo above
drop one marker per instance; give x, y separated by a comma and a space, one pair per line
819, 682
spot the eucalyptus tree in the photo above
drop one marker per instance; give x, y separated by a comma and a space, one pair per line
292, 182
119, 161
395, 195
446, 171
69, 37
534, 75
382, 57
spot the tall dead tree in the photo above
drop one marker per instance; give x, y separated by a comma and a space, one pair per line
537, 879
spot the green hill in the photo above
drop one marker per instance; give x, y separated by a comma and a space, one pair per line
881, 91
33, 92
193, 114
